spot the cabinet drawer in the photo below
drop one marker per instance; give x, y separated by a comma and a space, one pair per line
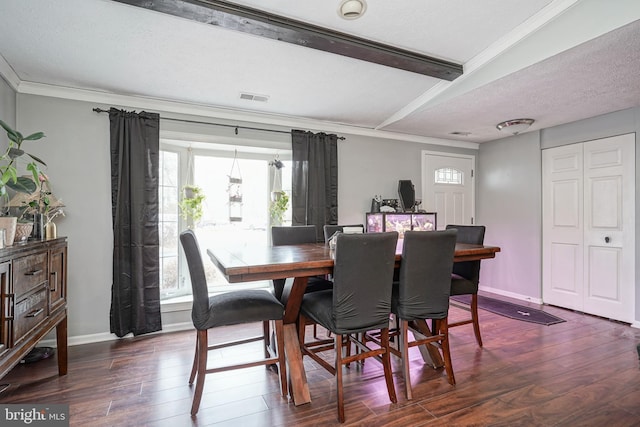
28, 272
29, 312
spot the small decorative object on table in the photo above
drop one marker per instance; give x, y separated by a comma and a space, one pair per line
41, 206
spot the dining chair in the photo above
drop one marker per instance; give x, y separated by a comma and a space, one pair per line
423, 293
360, 301
230, 308
466, 275
293, 235
330, 229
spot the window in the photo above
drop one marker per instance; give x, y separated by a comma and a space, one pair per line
448, 176
211, 170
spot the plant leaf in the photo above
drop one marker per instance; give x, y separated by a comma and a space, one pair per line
34, 136
22, 185
15, 152
37, 159
10, 131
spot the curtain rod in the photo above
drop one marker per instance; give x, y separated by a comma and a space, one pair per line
100, 110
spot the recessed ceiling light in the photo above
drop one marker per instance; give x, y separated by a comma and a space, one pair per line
254, 97
352, 9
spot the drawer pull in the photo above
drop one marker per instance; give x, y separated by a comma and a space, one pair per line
34, 313
33, 272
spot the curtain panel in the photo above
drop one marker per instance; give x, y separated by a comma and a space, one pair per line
135, 292
314, 187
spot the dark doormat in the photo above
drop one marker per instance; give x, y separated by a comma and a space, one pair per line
511, 310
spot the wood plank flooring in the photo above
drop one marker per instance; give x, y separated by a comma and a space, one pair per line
583, 372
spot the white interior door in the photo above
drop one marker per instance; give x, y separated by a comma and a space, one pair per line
448, 187
589, 227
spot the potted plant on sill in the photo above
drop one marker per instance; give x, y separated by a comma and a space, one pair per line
9, 178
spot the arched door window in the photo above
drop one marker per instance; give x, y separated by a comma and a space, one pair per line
448, 176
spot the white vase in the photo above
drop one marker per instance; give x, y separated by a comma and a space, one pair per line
8, 223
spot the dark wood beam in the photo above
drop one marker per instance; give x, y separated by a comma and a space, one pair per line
257, 22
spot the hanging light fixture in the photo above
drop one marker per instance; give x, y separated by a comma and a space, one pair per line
515, 126
352, 9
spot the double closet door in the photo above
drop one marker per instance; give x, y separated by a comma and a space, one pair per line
589, 227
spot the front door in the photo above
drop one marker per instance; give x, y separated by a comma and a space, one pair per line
589, 227
448, 187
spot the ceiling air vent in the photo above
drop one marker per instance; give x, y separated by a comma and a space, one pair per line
254, 97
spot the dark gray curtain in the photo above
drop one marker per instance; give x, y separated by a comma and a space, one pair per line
135, 293
314, 199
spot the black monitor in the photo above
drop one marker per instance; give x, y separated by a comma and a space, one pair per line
407, 194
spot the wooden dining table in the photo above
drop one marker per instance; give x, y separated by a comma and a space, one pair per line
253, 263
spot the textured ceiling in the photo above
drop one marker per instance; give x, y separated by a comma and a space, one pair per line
554, 61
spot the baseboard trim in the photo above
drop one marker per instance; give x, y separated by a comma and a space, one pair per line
508, 294
102, 337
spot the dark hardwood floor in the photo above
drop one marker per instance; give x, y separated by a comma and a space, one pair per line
583, 372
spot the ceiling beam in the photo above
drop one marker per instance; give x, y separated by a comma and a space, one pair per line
260, 23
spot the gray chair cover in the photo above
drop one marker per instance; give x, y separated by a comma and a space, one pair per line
425, 275
466, 275
295, 235
230, 308
361, 295
330, 229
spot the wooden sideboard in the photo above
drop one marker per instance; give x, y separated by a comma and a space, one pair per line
33, 299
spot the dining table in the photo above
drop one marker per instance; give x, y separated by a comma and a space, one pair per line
299, 262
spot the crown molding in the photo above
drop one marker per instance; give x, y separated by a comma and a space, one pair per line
8, 74
289, 122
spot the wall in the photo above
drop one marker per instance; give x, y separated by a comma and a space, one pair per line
76, 151
509, 205
367, 167
7, 108
509, 200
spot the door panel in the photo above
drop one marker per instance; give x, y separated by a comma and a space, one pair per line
589, 227
453, 201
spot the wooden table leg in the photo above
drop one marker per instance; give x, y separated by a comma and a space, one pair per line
297, 375
429, 352
61, 343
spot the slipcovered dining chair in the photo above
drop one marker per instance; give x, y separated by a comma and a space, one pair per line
466, 275
231, 308
360, 301
294, 235
330, 229
423, 293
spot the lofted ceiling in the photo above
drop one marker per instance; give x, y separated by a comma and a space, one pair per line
555, 61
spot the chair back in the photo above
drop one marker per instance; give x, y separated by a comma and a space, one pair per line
294, 235
330, 229
425, 274
200, 310
472, 234
362, 278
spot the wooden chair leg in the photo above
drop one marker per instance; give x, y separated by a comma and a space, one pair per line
338, 366
474, 317
443, 328
266, 332
202, 368
194, 368
404, 352
282, 364
386, 362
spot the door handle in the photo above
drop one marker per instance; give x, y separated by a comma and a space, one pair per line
607, 239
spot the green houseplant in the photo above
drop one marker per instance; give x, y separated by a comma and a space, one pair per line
9, 176
279, 204
191, 203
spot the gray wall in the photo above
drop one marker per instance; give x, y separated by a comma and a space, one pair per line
509, 204
509, 199
7, 108
76, 150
